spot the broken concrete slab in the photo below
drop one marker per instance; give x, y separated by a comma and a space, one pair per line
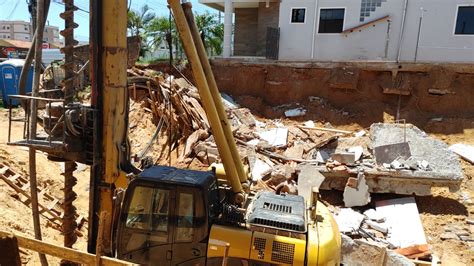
361, 252
308, 178
465, 151
381, 227
348, 220
276, 137
295, 151
374, 215
344, 157
245, 116
260, 169
444, 163
392, 258
359, 196
357, 150
403, 220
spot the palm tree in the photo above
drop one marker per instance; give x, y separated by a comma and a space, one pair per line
158, 30
138, 22
212, 32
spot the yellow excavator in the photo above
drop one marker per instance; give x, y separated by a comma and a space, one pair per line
169, 216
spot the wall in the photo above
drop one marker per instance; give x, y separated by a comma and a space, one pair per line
437, 42
430, 90
267, 17
437, 39
245, 31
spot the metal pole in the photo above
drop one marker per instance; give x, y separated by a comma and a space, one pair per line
402, 29
187, 7
33, 115
206, 97
29, 56
418, 37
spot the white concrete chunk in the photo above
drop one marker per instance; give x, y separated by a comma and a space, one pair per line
359, 196
404, 220
463, 150
275, 137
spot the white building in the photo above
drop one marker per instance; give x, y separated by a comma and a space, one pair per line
22, 31
344, 30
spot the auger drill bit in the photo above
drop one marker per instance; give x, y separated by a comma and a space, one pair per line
69, 224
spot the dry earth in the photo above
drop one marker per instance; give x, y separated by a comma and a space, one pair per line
438, 211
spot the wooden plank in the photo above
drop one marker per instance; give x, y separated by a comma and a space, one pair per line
365, 25
52, 204
35, 98
14, 177
62, 252
326, 129
3, 170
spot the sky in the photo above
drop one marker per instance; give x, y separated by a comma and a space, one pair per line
18, 10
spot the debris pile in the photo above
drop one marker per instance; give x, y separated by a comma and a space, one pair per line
357, 162
393, 226
283, 155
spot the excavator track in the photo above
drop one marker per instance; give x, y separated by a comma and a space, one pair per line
69, 224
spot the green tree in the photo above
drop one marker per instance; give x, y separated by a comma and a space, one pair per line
207, 24
212, 30
159, 28
138, 22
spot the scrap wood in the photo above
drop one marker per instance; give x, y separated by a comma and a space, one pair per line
415, 251
327, 129
321, 143
274, 155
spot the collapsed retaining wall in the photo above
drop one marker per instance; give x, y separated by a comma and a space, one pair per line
432, 89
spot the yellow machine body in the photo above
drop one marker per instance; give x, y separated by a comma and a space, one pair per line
319, 246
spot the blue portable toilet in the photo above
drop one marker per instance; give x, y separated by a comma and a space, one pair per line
10, 71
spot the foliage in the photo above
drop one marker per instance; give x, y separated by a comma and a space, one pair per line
138, 23
212, 30
154, 29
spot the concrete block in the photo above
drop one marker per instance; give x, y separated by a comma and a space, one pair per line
344, 157
392, 258
359, 196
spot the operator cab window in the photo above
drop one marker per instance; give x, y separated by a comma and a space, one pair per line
331, 20
185, 225
298, 15
146, 214
465, 21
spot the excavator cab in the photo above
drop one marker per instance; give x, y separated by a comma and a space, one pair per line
166, 217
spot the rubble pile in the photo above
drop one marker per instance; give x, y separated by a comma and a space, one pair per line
387, 158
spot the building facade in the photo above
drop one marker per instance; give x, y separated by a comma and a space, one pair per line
22, 31
346, 30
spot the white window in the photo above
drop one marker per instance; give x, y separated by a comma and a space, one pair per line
298, 15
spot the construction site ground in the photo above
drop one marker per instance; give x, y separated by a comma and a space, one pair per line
442, 209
